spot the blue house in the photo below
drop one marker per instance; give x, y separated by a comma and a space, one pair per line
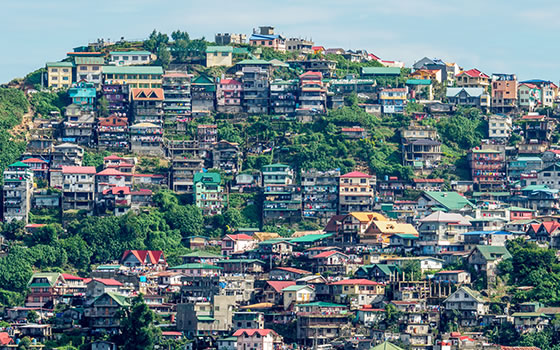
83, 94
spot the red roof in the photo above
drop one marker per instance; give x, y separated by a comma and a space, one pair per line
147, 94
78, 170
294, 270
435, 181
34, 225
172, 333
145, 256
550, 226
33, 160
503, 347
117, 190
474, 73
374, 57
113, 157
111, 171
529, 117
530, 86
5, 338
279, 285
240, 236
360, 281
326, 254
107, 281
252, 331
355, 174
70, 277
229, 82
207, 126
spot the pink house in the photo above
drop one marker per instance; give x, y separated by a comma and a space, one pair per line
261, 339
237, 243
229, 92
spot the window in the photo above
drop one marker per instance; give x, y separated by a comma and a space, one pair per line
144, 58
83, 68
125, 58
135, 58
54, 70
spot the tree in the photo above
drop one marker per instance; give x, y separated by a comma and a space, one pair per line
392, 315
179, 35
164, 57
78, 252
137, 329
103, 107
187, 219
32, 316
25, 343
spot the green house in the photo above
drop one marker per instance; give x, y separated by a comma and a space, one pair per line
208, 193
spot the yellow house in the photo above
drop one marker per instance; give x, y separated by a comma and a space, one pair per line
59, 75
135, 76
380, 231
219, 56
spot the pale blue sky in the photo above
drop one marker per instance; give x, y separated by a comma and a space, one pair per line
502, 36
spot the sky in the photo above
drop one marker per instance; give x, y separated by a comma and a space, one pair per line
496, 36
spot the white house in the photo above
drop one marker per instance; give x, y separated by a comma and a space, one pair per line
128, 58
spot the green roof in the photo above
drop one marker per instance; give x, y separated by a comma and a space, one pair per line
277, 165
495, 194
207, 178
89, 60
449, 200
240, 261
130, 52
132, 70
475, 295
310, 238
240, 51
195, 266
108, 267
485, 151
406, 235
19, 165
491, 253
527, 159
528, 314
381, 71
274, 241
50, 276
253, 62
535, 188
60, 64
520, 209
295, 287
322, 304
205, 318
201, 254
386, 346
219, 49
119, 298
419, 82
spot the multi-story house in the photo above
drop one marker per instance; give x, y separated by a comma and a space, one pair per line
219, 56
237, 243
83, 94
299, 45
339, 88
255, 90
147, 105
320, 322
435, 64
183, 170
283, 95
325, 67
261, 339
312, 94
281, 202
44, 289
265, 37
177, 104
473, 78
88, 69
144, 77
79, 125
488, 169
470, 305
103, 313
59, 74
277, 174
536, 94
549, 176
537, 129
523, 165
356, 192
226, 156
229, 38
111, 177
116, 96
115, 199
504, 92
66, 154
393, 100
39, 167
128, 58
320, 194
499, 126
146, 138
473, 97
17, 191
228, 96
78, 190
438, 230
208, 193
112, 133
422, 154
203, 94
357, 292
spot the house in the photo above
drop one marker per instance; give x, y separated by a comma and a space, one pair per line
44, 289
379, 272
453, 276
112, 133
426, 263
488, 169
440, 229
332, 261
420, 89
451, 202
230, 38
549, 176
265, 37
499, 126
145, 258
59, 74
116, 96
241, 266
201, 256
146, 77
99, 286
128, 58
203, 94
226, 156
297, 294
146, 138
312, 94
393, 100
228, 96
357, 292
237, 243
262, 339
434, 64
504, 92
422, 154
470, 305
78, 191
320, 194
256, 87
524, 165
356, 192
17, 191
197, 270
380, 231
103, 313
208, 193
381, 71
472, 78
177, 103
182, 173
485, 259
428, 184
283, 94
326, 67
288, 273
320, 322
219, 56
526, 322
147, 105
272, 291
88, 69
468, 96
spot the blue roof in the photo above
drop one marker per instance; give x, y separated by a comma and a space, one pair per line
535, 81
81, 92
473, 233
264, 37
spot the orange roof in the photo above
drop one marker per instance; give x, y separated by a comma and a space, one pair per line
294, 270
68, 276
116, 190
143, 94
33, 160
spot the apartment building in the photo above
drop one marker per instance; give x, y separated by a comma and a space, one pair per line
133, 76
255, 90
208, 193
17, 191
177, 103
128, 58
356, 192
320, 194
59, 74
78, 188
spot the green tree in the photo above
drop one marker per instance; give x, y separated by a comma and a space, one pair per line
103, 107
187, 219
32, 316
78, 252
164, 57
137, 329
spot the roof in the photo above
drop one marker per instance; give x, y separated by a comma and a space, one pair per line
252, 331
309, 238
473, 73
419, 82
207, 178
219, 49
111, 171
78, 170
239, 237
355, 174
279, 285
294, 270
132, 70
33, 160
472, 293
89, 60
445, 272
352, 281
386, 346
202, 254
107, 281
440, 216
145, 94
60, 64
196, 266
381, 70
363, 216
295, 287
131, 52
253, 62
145, 256
493, 252
454, 91
119, 298
327, 254
50, 276
18, 165
438, 181
322, 304
240, 261
450, 200
70, 277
